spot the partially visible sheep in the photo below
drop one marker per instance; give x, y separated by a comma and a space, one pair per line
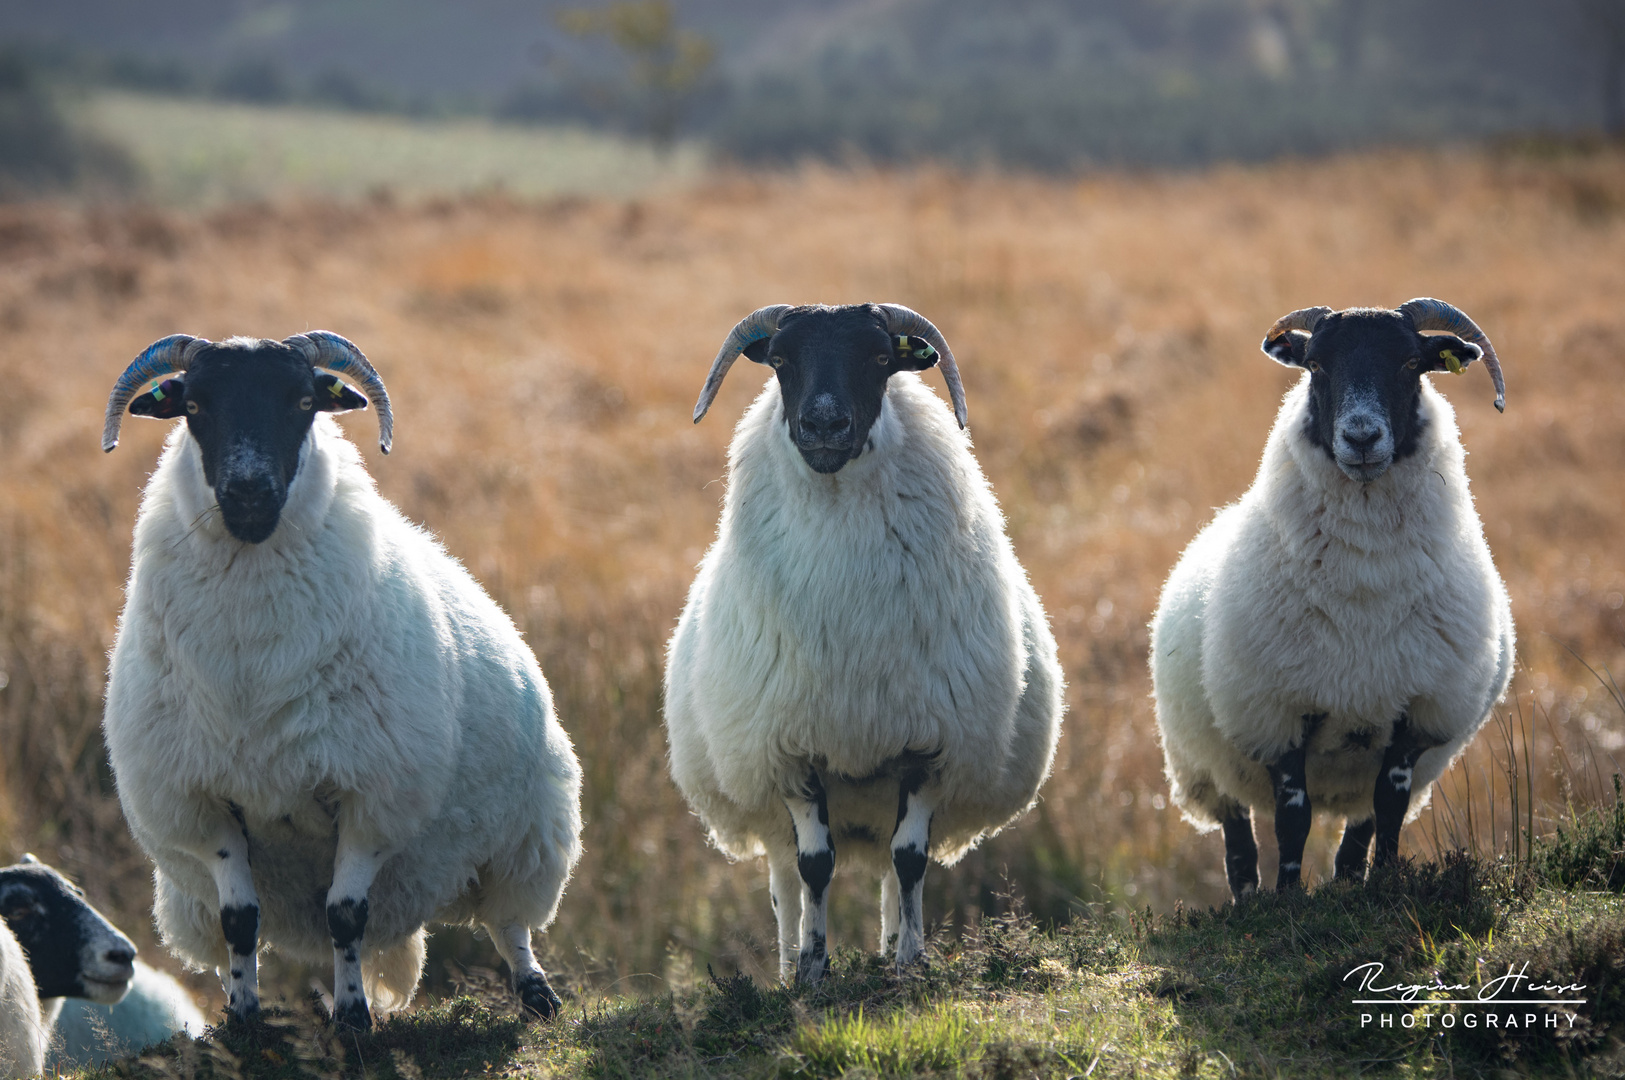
1334, 639
66, 948
23, 1034
155, 1009
325, 733
862, 663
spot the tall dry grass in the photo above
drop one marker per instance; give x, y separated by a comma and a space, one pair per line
544, 359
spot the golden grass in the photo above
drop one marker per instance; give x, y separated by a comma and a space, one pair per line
544, 359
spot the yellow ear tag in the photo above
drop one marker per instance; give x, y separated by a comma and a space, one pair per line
1450, 361
337, 389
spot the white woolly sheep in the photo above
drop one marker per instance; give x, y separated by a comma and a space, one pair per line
155, 1009
324, 732
862, 662
53, 945
1334, 639
23, 1034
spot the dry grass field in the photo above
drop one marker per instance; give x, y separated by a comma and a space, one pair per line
544, 358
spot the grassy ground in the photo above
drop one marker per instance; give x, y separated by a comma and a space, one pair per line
1267, 988
544, 357
193, 152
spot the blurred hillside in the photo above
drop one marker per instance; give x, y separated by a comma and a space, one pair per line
1049, 84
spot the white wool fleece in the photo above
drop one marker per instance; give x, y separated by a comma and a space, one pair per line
346, 668
1319, 594
23, 1034
841, 620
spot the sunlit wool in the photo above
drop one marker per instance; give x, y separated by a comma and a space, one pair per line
1314, 594
845, 619
346, 669
22, 1033
155, 1008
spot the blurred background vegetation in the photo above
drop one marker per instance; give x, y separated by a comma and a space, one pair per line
1055, 85
540, 218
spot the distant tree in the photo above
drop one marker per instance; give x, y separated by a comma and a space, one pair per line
666, 64
1605, 20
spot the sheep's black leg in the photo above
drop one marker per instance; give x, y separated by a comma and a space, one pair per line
529, 980
910, 847
1392, 797
227, 859
815, 860
1293, 812
1240, 853
354, 867
1351, 853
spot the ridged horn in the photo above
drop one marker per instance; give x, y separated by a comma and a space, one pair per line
162, 357
1305, 319
902, 320
325, 349
1427, 313
759, 324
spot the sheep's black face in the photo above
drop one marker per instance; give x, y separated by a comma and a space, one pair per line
72, 950
1365, 389
249, 404
832, 364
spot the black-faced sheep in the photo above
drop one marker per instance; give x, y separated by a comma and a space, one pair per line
324, 732
862, 664
1334, 639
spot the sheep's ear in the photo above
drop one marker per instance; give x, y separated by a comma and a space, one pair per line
29, 859
333, 395
1447, 352
756, 351
913, 353
1289, 348
165, 401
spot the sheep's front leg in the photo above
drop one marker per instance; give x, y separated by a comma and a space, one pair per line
910, 848
815, 860
1240, 852
227, 860
529, 980
1293, 812
1351, 853
354, 867
889, 913
784, 888
1392, 798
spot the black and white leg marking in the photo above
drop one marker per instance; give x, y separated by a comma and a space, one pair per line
1293, 812
1351, 853
910, 847
784, 888
529, 980
815, 860
354, 867
1240, 853
1392, 797
227, 860
889, 913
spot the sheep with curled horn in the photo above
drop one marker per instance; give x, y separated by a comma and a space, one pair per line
862, 672
325, 733
1334, 639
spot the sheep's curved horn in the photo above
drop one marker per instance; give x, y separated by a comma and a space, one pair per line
325, 349
1427, 313
902, 320
759, 324
1305, 319
162, 357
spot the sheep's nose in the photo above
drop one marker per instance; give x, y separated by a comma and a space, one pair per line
249, 491
122, 955
825, 423
1362, 440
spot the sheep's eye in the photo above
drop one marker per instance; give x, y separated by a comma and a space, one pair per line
305, 403
1314, 365
776, 361
882, 359
191, 407
1413, 362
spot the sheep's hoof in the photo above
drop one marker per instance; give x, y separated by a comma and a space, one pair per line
810, 968
537, 997
353, 1015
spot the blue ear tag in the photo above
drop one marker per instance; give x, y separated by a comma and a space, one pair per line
158, 392
924, 352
